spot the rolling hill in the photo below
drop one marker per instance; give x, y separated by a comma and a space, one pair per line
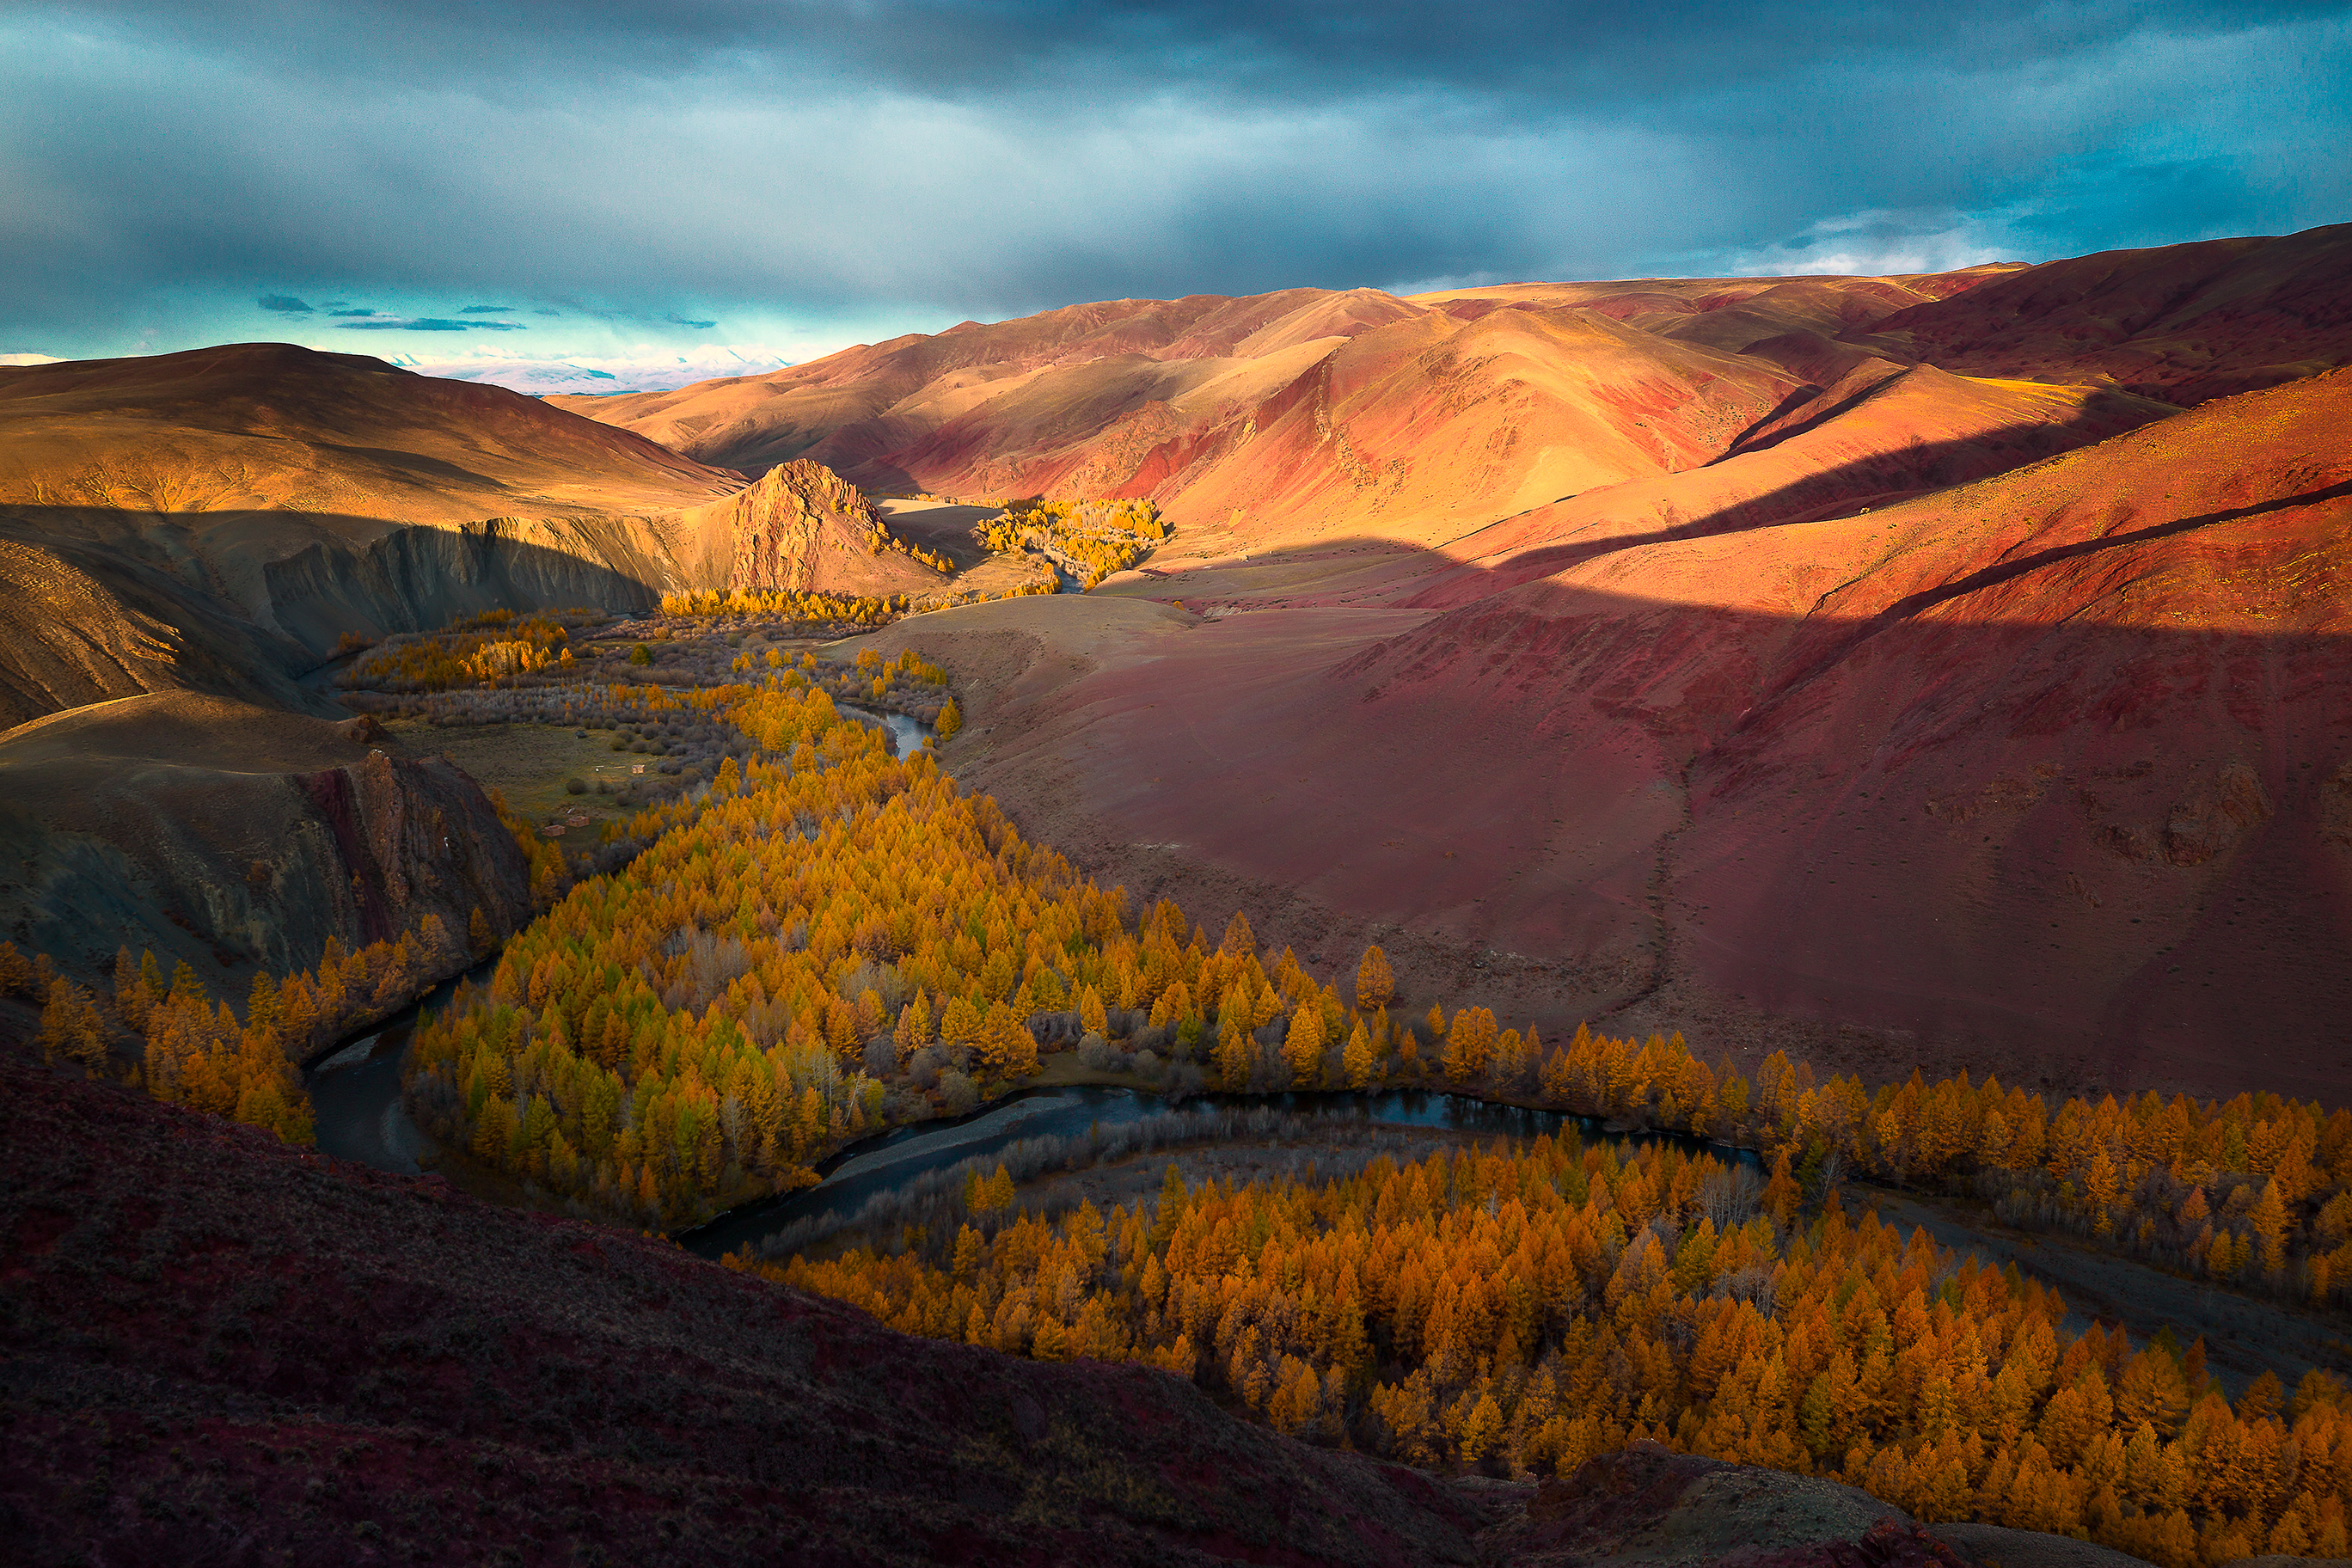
1887, 665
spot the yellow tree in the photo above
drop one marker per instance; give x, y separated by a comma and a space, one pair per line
2269, 1220
1239, 941
1235, 1048
1375, 985
1782, 1194
1361, 1060
1005, 1043
1304, 1048
69, 1026
1469, 1044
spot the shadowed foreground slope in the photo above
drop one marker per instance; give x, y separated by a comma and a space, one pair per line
220, 1349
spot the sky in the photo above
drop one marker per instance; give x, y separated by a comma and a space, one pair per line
603, 196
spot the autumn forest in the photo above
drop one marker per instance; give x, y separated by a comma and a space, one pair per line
813, 940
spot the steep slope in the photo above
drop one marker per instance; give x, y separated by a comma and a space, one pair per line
218, 520
2182, 322
1137, 396
222, 1350
800, 526
1879, 434
238, 838
2045, 772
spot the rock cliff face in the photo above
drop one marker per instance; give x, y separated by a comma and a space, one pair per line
238, 839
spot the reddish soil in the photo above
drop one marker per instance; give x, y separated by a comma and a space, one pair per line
220, 1349
2045, 774
2182, 322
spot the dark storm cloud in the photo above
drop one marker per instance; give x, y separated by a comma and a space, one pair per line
284, 302
988, 157
1085, 49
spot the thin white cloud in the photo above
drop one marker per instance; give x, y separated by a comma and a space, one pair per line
647, 371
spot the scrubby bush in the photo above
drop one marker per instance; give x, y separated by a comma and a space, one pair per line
575, 785
959, 1092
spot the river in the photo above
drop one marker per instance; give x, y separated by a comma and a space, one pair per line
907, 735
355, 1093
878, 1165
355, 1086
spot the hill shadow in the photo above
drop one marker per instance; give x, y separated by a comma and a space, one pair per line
1864, 484
2089, 837
106, 600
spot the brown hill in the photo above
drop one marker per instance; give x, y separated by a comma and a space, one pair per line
1300, 414
2046, 771
218, 520
239, 838
1294, 415
2182, 322
802, 527
224, 1350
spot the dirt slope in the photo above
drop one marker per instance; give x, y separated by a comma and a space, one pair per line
222, 1350
2182, 322
2047, 771
237, 838
217, 520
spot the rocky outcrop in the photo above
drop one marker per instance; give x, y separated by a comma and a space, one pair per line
2216, 816
803, 528
784, 524
1649, 1505
240, 840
